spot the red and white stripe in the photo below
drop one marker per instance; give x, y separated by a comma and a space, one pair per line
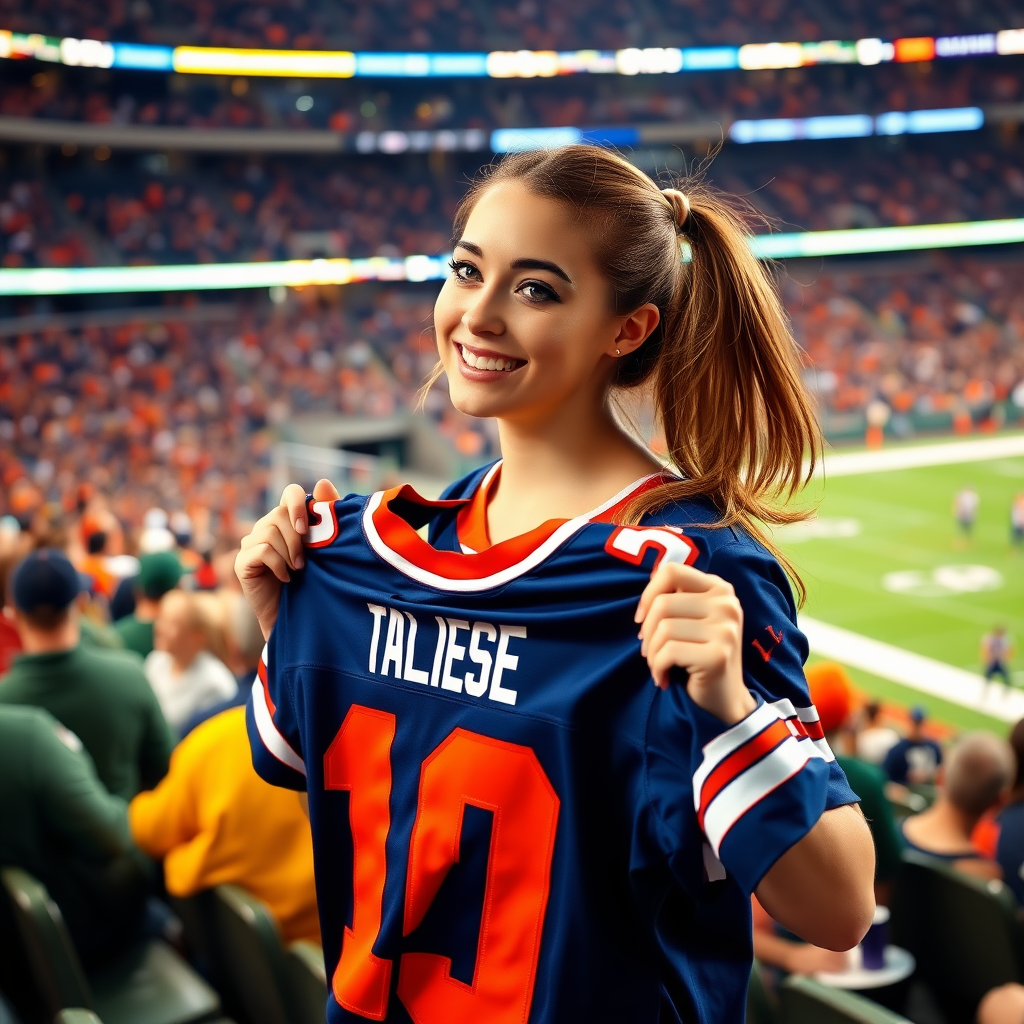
749, 761
263, 711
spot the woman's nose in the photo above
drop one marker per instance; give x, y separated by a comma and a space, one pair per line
483, 317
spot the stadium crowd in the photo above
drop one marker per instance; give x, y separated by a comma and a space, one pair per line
187, 412
350, 106
86, 212
447, 25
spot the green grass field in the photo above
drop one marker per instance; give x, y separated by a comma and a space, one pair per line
885, 559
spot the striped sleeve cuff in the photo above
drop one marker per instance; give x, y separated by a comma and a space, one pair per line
761, 784
274, 758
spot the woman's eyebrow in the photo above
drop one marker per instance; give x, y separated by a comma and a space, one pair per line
522, 264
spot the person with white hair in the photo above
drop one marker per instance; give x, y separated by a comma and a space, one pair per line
975, 778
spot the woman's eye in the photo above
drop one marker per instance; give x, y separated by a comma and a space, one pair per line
463, 271
533, 291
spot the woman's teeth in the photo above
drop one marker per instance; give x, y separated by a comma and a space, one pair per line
486, 362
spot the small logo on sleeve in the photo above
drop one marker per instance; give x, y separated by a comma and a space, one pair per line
768, 647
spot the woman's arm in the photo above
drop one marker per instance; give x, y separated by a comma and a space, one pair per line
821, 888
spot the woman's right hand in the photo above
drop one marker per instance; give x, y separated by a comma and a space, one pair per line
273, 550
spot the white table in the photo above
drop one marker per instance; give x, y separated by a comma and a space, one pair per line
899, 965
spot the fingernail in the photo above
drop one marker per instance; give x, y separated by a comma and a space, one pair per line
300, 562
300, 525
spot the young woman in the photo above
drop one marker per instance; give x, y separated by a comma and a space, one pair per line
553, 837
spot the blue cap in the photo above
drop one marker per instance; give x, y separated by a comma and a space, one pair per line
46, 578
918, 713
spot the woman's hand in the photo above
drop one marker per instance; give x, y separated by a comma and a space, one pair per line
274, 548
693, 620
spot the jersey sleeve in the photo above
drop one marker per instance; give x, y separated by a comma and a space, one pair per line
271, 720
758, 786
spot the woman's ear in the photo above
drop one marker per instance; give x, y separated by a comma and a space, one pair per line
635, 329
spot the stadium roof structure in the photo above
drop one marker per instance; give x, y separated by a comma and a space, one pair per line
303, 273
212, 60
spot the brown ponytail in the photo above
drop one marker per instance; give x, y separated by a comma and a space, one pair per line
722, 364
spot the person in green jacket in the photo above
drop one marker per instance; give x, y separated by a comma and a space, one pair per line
832, 694
102, 696
58, 823
159, 572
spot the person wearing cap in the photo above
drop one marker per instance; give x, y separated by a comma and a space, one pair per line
832, 694
159, 573
915, 759
62, 826
102, 696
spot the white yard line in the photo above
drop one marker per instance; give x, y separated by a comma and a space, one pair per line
943, 454
926, 675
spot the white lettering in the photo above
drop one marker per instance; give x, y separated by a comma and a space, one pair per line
503, 660
394, 644
455, 652
442, 632
378, 613
413, 674
478, 687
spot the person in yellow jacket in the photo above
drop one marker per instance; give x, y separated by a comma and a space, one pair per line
213, 820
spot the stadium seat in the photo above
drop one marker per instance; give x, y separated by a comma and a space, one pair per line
805, 1001
963, 931
76, 1015
273, 985
759, 1007
149, 984
308, 979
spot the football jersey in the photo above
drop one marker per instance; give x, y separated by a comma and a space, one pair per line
510, 821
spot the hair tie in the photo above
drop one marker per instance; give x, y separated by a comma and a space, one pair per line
680, 205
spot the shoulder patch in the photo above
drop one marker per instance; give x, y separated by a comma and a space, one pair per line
68, 738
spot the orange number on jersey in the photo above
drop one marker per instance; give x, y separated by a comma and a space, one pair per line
359, 760
507, 779
466, 768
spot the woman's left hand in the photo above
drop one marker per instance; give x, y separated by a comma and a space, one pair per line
693, 620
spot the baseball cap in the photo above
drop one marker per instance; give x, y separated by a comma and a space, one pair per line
831, 693
159, 571
918, 713
46, 578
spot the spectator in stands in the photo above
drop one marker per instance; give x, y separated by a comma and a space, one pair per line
245, 643
915, 759
101, 696
213, 820
1001, 837
976, 778
10, 642
159, 573
64, 828
184, 675
832, 694
874, 741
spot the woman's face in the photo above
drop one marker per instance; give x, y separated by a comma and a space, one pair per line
525, 321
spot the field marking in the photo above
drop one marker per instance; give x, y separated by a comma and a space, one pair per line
936, 678
946, 454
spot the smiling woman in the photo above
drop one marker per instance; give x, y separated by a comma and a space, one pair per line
567, 800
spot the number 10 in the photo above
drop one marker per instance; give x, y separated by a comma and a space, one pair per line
466, 768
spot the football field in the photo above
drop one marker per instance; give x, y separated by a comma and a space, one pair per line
885, 562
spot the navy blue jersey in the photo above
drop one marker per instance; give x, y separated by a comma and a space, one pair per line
510, 821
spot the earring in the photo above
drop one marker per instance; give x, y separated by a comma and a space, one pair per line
617, 352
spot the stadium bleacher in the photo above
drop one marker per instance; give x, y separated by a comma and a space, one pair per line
121, 412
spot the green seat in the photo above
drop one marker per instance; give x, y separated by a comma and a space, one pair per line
963, 931
254, 957
759, 1006
148, 984
76, 1015
308, 980
805, 1001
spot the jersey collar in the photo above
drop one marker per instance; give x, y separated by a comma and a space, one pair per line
398, 543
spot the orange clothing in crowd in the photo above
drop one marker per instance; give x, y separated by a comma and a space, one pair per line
213, 820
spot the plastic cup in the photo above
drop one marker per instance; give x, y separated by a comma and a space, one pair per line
873, 945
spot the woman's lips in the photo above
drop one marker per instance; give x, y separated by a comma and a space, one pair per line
482, 361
